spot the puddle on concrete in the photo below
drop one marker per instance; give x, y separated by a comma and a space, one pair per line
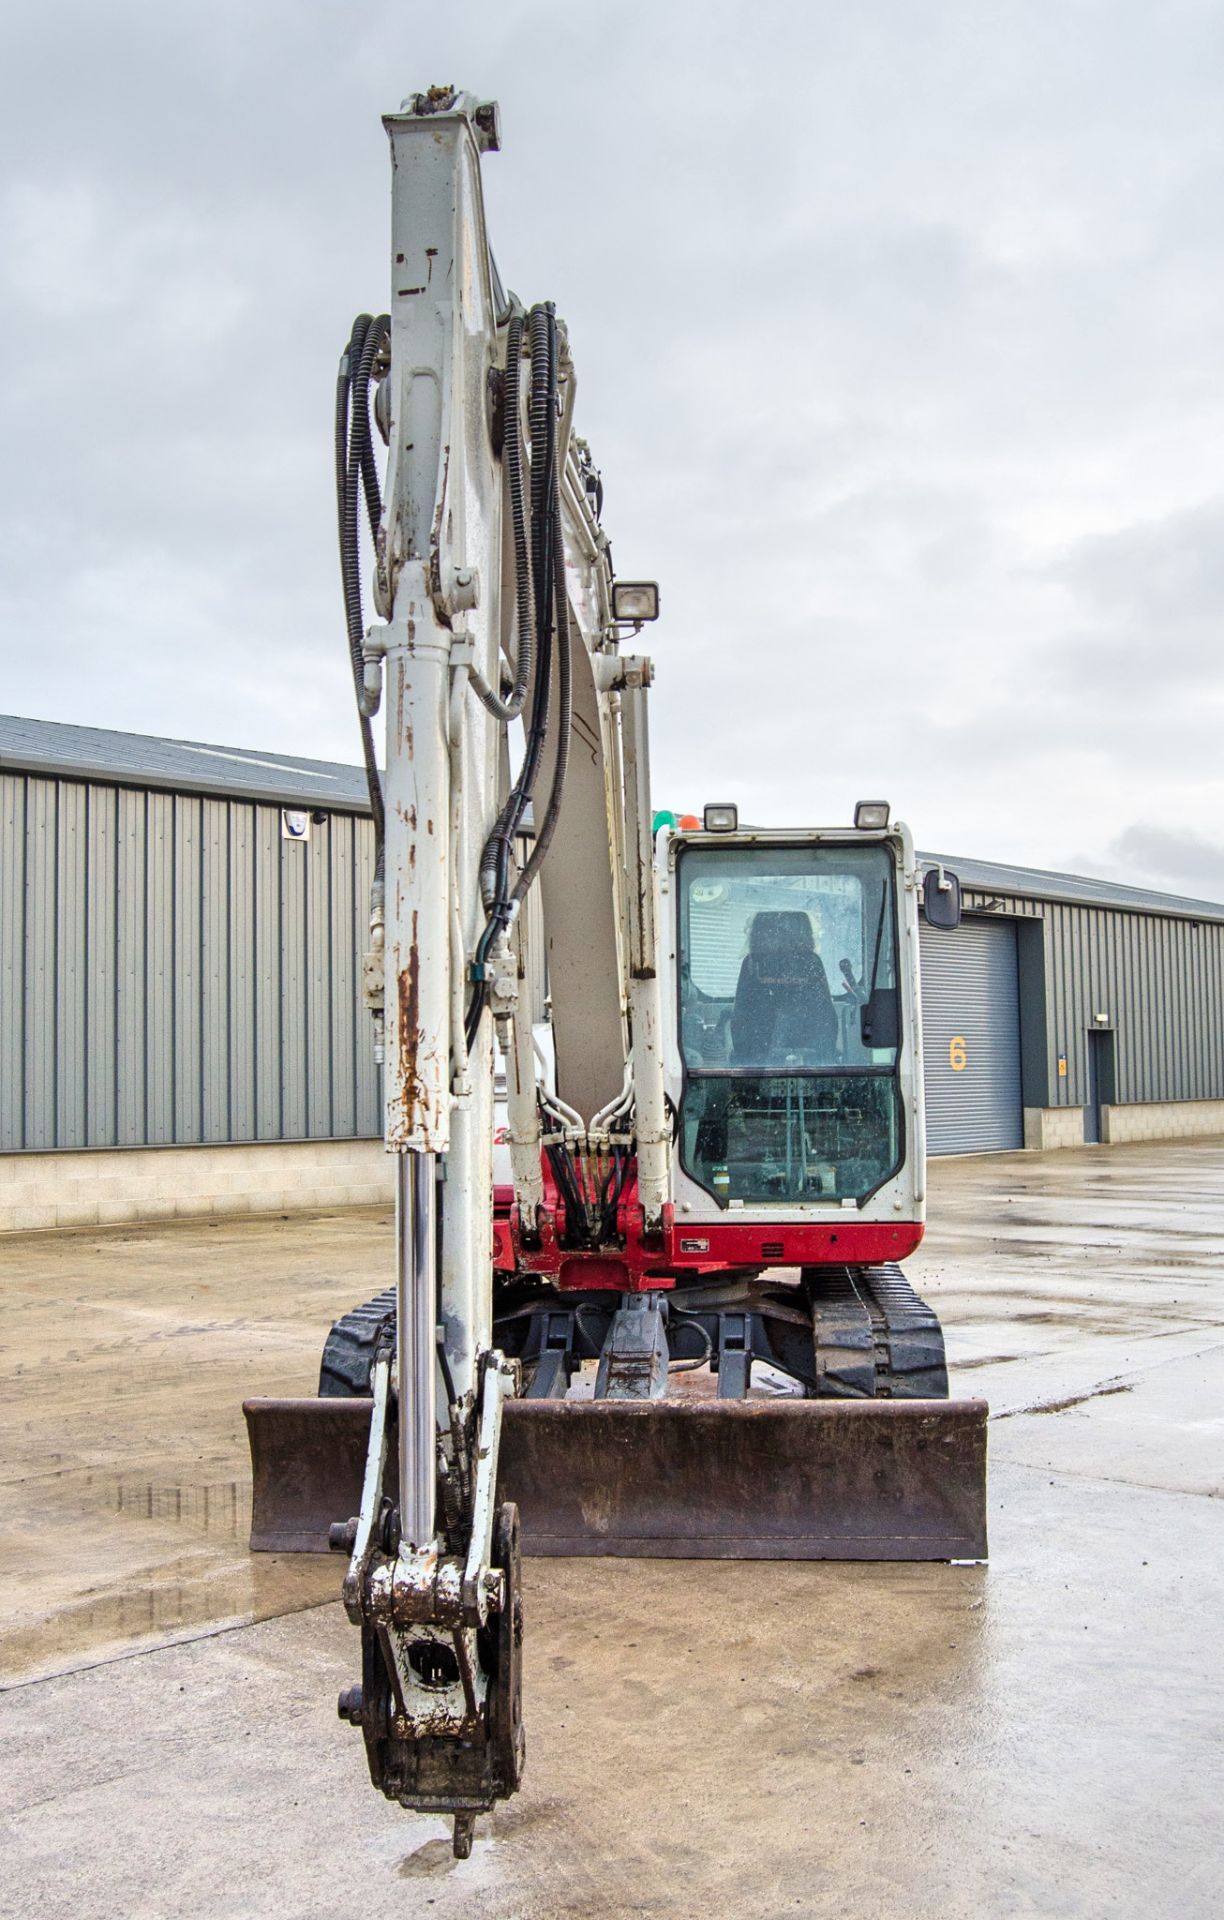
222, 1509
103, 1624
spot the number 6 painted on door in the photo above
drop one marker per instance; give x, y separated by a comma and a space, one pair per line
958, 1054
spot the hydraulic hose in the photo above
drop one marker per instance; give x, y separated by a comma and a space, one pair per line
541, 618
565, 687
357, 473
544, 593
512, 455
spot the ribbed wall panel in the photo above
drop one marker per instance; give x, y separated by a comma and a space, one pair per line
14, 1059
156, 926
172, 971
240, 946
215, 1011
65, 986
1158, 978
43, 1004
131, 989
269, 1089
369, 1092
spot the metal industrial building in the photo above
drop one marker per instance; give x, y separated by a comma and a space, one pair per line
179, 969
1067, 1010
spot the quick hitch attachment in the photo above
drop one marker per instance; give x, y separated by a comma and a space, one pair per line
439, 1704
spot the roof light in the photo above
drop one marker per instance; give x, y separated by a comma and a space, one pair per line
721, 819
635, 600
678, 822
871, 815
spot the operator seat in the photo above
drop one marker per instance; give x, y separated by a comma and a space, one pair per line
783, 1005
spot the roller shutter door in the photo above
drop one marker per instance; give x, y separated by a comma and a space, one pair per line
971, 1038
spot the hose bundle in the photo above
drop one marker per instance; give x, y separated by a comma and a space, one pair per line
357, 475
541, 610
542, 613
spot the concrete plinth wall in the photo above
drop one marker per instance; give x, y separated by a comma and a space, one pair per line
42, 1190
1163, 1120
106, 1188
1046, 1127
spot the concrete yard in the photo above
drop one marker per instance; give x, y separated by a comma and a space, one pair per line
1041, 1736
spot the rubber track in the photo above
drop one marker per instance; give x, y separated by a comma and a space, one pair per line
843, 1334
909, 1342
348, 1351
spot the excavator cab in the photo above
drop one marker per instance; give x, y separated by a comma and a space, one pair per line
789, 1070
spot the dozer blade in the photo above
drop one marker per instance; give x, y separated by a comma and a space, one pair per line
686, 1478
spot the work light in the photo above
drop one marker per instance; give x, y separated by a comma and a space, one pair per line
635, 601
721, 819
870, 814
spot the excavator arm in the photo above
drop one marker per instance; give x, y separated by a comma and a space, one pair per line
493, 577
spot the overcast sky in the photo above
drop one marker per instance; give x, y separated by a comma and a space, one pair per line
899, 333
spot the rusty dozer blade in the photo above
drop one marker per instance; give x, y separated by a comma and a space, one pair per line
686, 1478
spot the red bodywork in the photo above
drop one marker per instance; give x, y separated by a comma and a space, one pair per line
643, 1262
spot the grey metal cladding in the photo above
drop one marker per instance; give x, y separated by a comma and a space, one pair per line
1034, 883
1157, 977
172, 971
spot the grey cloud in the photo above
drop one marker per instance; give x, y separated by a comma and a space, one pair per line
1151, 600
1176, 860
1164, 573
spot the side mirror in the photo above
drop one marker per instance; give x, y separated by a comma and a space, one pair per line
941, 899
878, 1022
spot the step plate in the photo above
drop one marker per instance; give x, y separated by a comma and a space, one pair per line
670, 1479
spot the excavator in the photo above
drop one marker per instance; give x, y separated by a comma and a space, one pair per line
667, 1316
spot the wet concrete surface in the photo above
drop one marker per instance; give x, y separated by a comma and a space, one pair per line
124, 1359
1040, 1736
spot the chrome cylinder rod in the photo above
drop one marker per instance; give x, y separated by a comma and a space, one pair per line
416, 1282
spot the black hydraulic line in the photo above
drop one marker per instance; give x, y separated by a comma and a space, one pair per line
356, 472
363, 443
547, 583
560, 1160
565, 679
496, 856
610, 1197
512, 456
548, 562
349, 580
